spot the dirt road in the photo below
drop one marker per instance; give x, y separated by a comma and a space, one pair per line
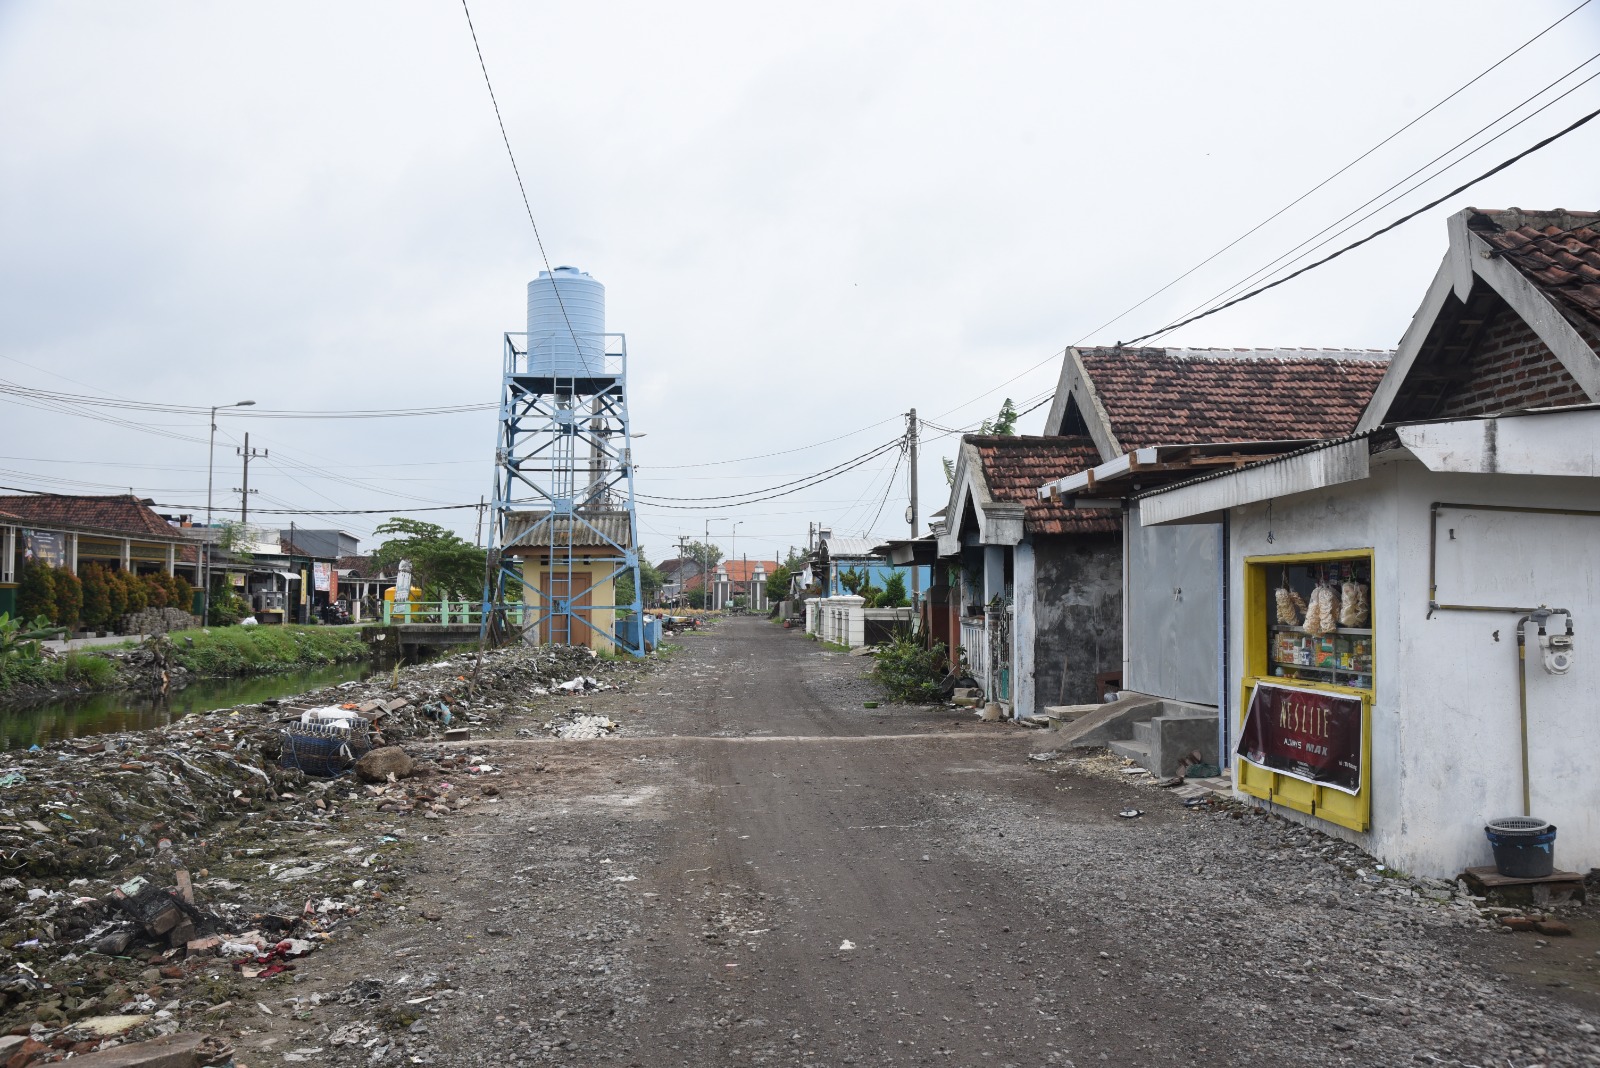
762, 871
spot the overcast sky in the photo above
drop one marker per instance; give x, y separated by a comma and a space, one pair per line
808, 218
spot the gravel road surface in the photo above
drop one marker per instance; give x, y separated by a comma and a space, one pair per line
759, 870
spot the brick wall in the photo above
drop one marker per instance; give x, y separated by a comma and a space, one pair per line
1511, 368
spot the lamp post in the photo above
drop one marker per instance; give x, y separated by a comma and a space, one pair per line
705, 566
733, 549
211, 450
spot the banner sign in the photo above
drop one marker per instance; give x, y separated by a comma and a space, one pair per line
319, 573
39, 547
1309, 735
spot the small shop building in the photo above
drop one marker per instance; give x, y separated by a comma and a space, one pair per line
1405, 606
570, 560
1162, 415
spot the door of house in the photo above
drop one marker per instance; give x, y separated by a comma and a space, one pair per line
562, 629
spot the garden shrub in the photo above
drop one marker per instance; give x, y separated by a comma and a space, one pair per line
909, 671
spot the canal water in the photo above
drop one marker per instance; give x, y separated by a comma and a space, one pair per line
108, 713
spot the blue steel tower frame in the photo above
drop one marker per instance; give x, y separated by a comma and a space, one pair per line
563, 478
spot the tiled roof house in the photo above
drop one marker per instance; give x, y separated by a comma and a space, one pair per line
1511, 321
1038, 603
1127, 399
121, 531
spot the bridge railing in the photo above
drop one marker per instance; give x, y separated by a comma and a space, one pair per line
447, 612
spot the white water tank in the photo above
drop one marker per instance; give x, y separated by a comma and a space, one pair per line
566, 324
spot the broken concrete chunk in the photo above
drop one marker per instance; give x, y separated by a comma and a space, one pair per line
168, 1051
396, 705
379, 764
457, 734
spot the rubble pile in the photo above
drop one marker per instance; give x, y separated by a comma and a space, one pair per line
158, 875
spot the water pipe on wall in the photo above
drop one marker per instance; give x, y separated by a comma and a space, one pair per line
1557, 655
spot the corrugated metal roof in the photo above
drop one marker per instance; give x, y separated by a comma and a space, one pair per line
526, 532
841, 547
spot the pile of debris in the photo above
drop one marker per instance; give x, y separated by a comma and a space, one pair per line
152, 873
578, 725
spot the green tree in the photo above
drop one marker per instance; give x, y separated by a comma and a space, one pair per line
117, 596
695, 598
68, 598
1005, 423
96, 597
778, 584
36, 592
649, 577
702, 554
133, 591
894, 592
440, 559
854, 581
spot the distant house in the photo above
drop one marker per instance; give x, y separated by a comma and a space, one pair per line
836, 554
121, 532
1160, 414
735, 578
1039, 588
1456, 534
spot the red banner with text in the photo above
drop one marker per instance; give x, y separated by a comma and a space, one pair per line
1304, 734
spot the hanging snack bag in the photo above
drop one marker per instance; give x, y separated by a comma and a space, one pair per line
1322, 614
1291, 606
1354, 609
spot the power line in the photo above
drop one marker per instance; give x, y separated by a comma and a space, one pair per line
870, 453
1496, 169
1451, 96
1273, 267
523, 189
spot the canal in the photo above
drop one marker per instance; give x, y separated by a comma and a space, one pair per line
108, 713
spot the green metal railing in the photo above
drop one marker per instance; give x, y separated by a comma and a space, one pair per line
446, 612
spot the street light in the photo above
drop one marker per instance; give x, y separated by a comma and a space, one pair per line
733, 549
211, 451
709, 598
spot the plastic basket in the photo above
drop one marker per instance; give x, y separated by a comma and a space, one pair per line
325, 750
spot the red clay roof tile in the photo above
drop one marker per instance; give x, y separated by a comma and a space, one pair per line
120, 514
1188, 396
1015, 468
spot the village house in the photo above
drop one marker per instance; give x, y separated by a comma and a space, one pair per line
1156, 415
122, 533
1406, 604
1038, 584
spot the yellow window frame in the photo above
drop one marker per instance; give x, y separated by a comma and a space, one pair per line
1347, 810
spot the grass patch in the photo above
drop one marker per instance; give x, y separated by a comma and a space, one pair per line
262, 650
80, 670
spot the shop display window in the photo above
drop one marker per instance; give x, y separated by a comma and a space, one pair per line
1319, 616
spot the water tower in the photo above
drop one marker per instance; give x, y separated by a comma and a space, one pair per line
563, 528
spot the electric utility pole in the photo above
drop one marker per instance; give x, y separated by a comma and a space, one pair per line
244, 491
911, 512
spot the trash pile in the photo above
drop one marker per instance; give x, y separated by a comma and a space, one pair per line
151, 873
578, 725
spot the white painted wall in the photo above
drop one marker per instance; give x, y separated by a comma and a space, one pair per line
1023, 623
1445, 744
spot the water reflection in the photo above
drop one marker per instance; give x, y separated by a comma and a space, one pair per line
108, 713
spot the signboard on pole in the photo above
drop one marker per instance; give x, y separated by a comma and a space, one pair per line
319, 573
1311, 735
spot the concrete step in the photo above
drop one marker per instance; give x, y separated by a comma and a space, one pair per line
1110, 722
1144, 733
1131, 750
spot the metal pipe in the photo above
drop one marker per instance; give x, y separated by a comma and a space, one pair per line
1433, 552
1541, 616
1522, 712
